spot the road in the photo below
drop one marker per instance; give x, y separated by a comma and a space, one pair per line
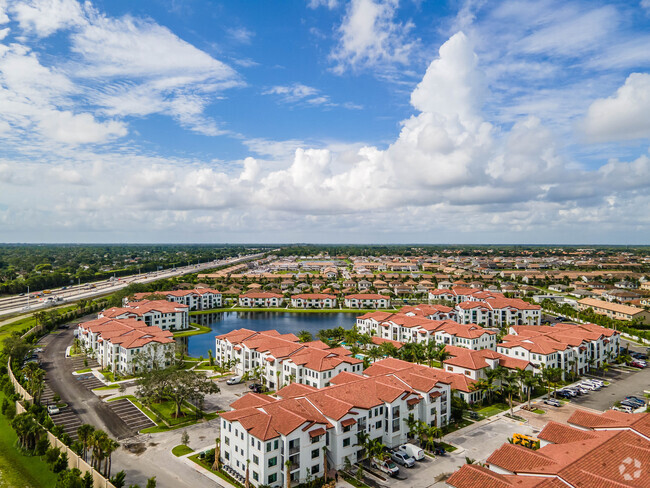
58, 296
88, 407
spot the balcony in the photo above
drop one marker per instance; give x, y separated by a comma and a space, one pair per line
294, 450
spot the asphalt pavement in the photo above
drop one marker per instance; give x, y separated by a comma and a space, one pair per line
81, 401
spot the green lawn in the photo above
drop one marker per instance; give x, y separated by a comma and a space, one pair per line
17, 470
538, 411
221, 475
86, 370
107, 387
181, 450
197, 329
493, 409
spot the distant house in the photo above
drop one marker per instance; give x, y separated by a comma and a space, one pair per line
313, 300
367, 300
260, 299
614, 310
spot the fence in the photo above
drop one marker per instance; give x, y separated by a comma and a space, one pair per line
18, 387
74, 460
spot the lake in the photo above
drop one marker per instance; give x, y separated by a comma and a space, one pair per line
284, 323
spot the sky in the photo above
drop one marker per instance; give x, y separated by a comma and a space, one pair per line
325, 121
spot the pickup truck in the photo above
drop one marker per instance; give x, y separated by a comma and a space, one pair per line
388, 467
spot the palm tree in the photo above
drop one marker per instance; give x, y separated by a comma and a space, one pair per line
31, 371
109, 447
412, 425
247, 482
431, 352
287, 466
216, 466
482, 385
362, 440
84, 433
509, 389
97, 443
443, 353
305, 336
373, 354
530, 381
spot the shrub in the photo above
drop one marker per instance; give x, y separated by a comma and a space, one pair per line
52, 454
42, 446
61, 463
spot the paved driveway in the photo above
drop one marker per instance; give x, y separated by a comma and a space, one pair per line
477, 441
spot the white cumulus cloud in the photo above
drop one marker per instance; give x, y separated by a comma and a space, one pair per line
624, 116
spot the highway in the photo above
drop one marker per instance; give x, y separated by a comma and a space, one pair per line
59, 296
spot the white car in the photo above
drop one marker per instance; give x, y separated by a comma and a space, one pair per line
52, 409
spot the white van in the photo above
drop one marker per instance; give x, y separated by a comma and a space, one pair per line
413, 451
235, 380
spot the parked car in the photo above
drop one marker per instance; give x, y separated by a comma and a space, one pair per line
564, 394
635, 401
638, 363
235, 380
52, 409
413, 451
553, 402
635, 398
257, 388
439, 451
388, 467
632, 405
639, 355
403, 458
623, 408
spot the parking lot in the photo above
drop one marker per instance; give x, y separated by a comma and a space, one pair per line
68, 420
623, 382
477, 441
89, 380
229, 393
131, 415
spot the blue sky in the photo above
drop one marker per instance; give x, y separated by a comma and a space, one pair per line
324, 121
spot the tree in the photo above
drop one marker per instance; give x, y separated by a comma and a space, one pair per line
70, 478
15, 346
287, 467
216, 466
305, 336
530, 381
185, 438
151, 482
325, 463
84, 433
88, 480
119, 479
109, 447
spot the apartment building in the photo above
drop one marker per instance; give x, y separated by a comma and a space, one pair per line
301, 420
126, 345
157, 313
433, 312
607, 449
280, 359
197, 299
313, 300
260, 299
490, 309
367, 300
407, 328
614, 310
571, 347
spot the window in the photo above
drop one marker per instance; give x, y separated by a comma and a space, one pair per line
314, 453
268, 446
273, 461
256, 476
346, 442
347, 428
252, 442
273, 478
226, 440
315, 468
256, 460
275, 445
227, 455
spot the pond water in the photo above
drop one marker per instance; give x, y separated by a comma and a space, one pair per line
284, 323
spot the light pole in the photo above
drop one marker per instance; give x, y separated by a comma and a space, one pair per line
27, 297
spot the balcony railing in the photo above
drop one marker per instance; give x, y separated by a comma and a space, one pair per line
294, 450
